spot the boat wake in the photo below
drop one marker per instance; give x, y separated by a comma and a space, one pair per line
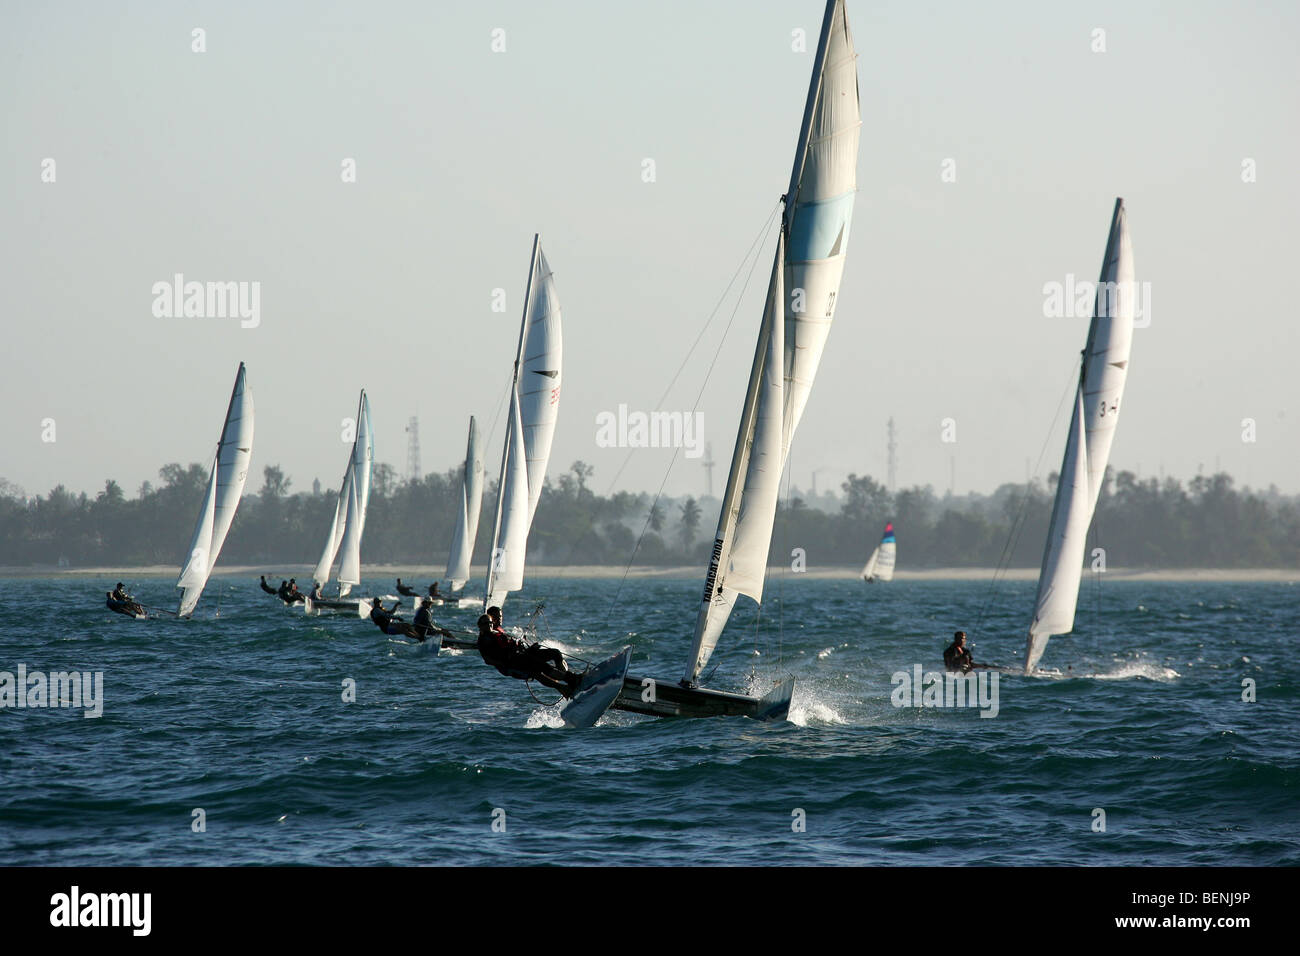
808, 709
1125, 670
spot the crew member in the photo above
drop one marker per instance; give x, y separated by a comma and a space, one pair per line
424, 624
957, 656
516, 658
404, 590
266, 587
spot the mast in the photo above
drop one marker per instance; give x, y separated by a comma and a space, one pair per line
510, 422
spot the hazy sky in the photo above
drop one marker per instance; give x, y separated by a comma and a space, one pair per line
226, 166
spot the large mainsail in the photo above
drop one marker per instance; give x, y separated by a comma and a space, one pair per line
797, 315
1087, 449
471, 500
534, 403
363, 458
539, 378
225, 487
350, 510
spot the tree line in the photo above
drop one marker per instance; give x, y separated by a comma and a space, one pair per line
1141, 523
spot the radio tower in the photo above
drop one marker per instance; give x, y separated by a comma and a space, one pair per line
708, 465
413, 449
893, 458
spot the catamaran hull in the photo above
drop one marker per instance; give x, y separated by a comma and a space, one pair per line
674, 700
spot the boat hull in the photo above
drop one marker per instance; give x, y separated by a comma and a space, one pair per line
670, 699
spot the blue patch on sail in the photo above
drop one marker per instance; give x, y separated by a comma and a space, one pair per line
820, 229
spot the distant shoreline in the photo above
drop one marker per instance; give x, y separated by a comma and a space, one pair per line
422, 574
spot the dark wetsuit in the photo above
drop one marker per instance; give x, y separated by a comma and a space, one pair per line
123, 603
515, 658
387, 623
957, 660
404, 590
424, 624
267, 588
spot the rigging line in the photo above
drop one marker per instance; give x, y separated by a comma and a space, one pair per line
1018, 523
698, 396
767, 225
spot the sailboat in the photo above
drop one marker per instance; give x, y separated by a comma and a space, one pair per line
800, 306
471, 501
225, 487
880, 566
530, 428
344, 538
1102, 375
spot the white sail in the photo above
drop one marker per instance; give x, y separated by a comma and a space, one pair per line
363, 457
335, 537
534, 403
195, 573
869, 569
880, 566
1110, 338
506, 568
225, 488
539, 377
471, 500
1092, 431
1058, 580
740, 547
796, 320
819, 211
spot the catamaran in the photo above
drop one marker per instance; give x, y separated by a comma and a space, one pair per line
225, 487
1102, 375
344, 538
880, 566
530, 428
800, 306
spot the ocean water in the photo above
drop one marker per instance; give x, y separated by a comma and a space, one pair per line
441, 760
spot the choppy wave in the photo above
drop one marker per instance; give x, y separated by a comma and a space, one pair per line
321, 740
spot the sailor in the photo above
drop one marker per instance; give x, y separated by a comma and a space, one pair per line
380, 615
435, 593
957, 657
119, 594
282, 592
404, 589
266, 587
516, 658
315, 591
424, 624
294, 594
